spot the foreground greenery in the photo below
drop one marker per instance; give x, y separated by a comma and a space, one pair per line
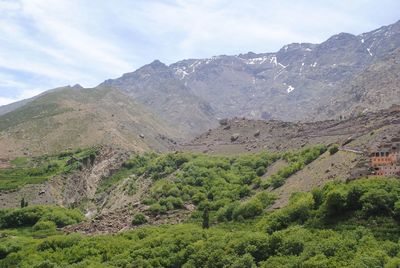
230, 187
353, 224
34, 170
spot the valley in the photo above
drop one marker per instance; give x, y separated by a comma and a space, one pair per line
285, 159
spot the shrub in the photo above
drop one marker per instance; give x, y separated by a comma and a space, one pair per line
29, 216
44, 225
139, 219
171, 202
260, 171
156, 209
249, 209
334, 149
63, 217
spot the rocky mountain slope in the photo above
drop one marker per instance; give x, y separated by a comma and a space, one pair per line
376, 87
292, 84
155, 86
74, 117
240, 135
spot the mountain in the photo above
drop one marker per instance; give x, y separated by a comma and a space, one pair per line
343, 76
156, 87
292, 84
73, 117
371, 90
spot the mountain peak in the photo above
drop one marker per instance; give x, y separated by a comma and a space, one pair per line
157, 64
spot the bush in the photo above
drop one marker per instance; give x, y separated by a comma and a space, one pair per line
44, 225
334, 149
29, 216
157, 209
249, 209
260, 171
139, 219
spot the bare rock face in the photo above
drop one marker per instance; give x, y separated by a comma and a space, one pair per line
235, 137
294, 83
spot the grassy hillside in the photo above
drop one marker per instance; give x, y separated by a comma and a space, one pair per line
75, 117
28, 170
340, 225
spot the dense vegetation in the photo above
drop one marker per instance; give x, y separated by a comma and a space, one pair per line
353, 224
27, 170
38, 217
228, 186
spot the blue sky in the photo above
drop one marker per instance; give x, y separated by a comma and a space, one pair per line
50, 43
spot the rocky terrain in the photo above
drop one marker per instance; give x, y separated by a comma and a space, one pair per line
240, 135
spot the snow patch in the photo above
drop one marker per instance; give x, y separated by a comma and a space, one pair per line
274, 60
308, 49
362, 40
283, 66
369, 52
259, 60
290, 89
314, 65
181, 73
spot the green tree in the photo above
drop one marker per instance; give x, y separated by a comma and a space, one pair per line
23, 203
206, 217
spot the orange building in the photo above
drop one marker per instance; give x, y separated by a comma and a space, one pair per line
385, 159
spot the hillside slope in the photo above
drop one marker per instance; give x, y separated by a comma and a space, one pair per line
74, 117
240, 135
156, 87
373, 89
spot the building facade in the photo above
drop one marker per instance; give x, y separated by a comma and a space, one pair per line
385, 159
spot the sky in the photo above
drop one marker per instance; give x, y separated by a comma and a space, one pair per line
50, 43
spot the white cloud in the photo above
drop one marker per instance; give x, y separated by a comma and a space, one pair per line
47, 43
25, 94
5, 101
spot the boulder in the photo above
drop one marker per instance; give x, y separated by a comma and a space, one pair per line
234, 137
223, 122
